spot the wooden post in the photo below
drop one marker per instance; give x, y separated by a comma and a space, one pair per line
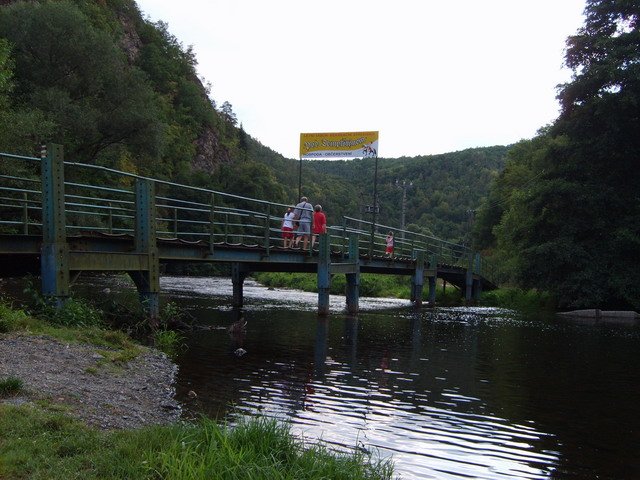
54, 258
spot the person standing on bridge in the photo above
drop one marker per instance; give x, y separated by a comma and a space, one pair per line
319, 223
287, 228
390, 244
303, 213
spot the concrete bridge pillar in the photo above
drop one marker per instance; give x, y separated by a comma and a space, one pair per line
324, 277
54, 254
353, 279
417, 280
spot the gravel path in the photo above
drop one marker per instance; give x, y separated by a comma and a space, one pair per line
132, 395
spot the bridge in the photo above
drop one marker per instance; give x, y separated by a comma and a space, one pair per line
60, 218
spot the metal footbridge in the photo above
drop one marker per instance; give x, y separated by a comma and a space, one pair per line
60, 218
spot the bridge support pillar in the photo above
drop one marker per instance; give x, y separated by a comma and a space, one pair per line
238, 274
433, 266
147, 280
432, 290
468, 291
54, 254
353, 279
477, 283
324, 278
417, 280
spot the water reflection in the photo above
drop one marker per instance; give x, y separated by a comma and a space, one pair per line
450, 393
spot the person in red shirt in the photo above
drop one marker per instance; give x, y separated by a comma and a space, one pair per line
319, 223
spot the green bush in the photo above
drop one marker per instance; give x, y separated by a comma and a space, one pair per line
168, 341
10, 319
10, 386
73, 313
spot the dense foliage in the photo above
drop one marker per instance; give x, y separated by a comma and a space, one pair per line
565, 213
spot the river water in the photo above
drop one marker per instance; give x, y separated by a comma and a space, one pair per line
446, 392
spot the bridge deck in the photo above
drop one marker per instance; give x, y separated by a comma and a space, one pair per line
58, 218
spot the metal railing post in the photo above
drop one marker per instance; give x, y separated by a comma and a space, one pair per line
211, 224
25, 214
110, 219
267, 232
175, 221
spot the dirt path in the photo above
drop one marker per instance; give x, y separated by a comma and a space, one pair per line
128, 396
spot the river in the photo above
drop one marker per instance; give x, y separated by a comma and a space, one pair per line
447, 393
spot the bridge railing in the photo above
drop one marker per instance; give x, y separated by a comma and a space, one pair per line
372, 242
101, 199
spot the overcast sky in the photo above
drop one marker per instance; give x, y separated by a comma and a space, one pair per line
430, 76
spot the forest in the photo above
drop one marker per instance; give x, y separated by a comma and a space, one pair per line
559, 212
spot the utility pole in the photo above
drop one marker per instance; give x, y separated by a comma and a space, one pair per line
404, 185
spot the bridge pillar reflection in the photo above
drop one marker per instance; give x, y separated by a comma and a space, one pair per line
324, 277
353, 279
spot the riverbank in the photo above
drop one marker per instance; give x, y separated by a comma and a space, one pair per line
89, 403
397, 286
91, 382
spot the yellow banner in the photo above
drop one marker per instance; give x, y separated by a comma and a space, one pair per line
339, 145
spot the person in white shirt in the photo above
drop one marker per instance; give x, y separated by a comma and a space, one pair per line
287, 228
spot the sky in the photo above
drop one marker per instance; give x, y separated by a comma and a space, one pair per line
431, 76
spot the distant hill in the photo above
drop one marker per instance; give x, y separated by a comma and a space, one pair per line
118, 90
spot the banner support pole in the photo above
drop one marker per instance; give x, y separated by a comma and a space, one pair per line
300, 180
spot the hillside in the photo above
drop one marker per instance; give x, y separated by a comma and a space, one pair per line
120, 91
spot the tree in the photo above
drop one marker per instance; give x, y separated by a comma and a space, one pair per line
79, 79
573, 226
227, 113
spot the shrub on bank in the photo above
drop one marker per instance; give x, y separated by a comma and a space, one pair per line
10, 386
519, 299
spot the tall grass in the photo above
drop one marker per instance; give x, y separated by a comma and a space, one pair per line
519, 299
371, 285
38, 444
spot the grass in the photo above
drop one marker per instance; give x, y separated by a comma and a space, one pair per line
518, 299
371, 285
168, 341
10, 386
118, 346
41, 444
